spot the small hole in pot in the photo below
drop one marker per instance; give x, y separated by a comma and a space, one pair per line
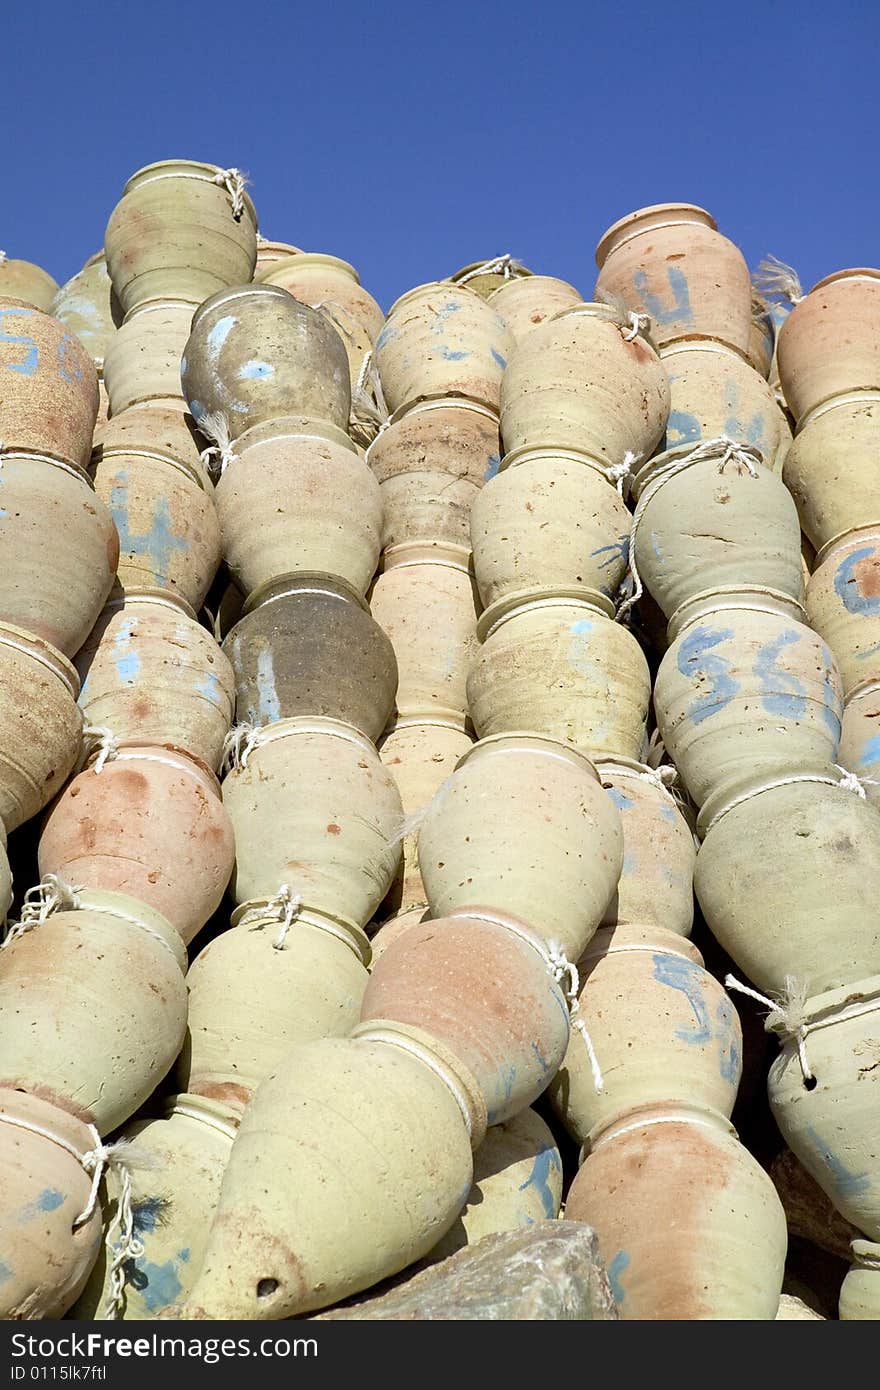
810, 1083
266, 1287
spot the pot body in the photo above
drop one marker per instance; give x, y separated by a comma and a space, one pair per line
370, 1163
689, 1225
488, 997
860, 1290
48, 386
85, 304
860, 738
662, 1028
442, 340
742, 689
524, 826
45, 1188
154, 675
256, 353
656, 885
829, 470
151, 825
761, 880
142, 361
671, 262
549, 520
714, 392
42, 724
255, 992
93, 1007
577, 382
528, 300
315, 809
298, 502
843, 604
562, 668
830, 342
28, 282
176, 233
333, 286
307, 644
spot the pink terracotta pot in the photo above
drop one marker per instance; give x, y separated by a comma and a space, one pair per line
48, 385
830, 342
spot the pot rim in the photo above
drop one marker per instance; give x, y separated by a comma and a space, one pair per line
871, 527
657, 1112
345, 929
425, 552
150, 306
450, 402
547, 596
297, 584
217, 1114
539, 743
673, 945
745, 787
40, 650
541, 453
862, 272
612, 239
181, 168
164, 598
518, 271
253, 290
432, 287
302, 260
775, 603
76, 470
857, 397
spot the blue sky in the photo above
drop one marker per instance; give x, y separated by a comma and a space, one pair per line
413, 138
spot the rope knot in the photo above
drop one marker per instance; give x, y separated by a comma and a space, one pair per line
505, 266
368, 408
238, 745
287, 905
774, 277
638, 323
235, 182
621, 474
220, 453
97, 738
565, 973
50, 895
786, 1014
3, 257
851, 782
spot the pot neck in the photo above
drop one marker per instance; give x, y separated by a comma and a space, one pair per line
752, 599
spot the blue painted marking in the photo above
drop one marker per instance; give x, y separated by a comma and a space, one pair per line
492, 467
270, 708
453, 354
69, 368
211, 689
546, 1160
730, 1061
254, 369
502, 361
668, 812
542, 1060
147, 1215
871, 651
218, 335
695, 660
682, 427
127, 662
50, 1200
685, 976
508, 1081
679, 311
620, 799
184, 1255
28, 366
197, 411
846, 585
617, 553
870, 754
782, 692
832, 706
618, 1266
5, 1272
749, 431
847, 1183
162, 1285
158, 544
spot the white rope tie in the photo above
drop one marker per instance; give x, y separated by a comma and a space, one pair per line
410, 825
368, 407
97, 738
285, 905
2, 257
851, 782
638, 323
262, 240
218, 455
51, 895
235, 182
774, 277
238, 745
565, 973
725, 450
621, 474
505, 266
789, 1006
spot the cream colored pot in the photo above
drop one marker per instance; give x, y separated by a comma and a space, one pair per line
770, 849
553, 661
528, 300
745, 686
28, 282
48, 386
830, 342
860, 738
313, 808
670, 261
334, 287
524, 826
142, 361
829, 467
860, 1290
87, 306
586, 380
42, 727
843, 604
714, 392
660, 1026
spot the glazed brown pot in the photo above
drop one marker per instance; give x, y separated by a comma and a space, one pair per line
485, 993
48, 385
255, 353
307, 644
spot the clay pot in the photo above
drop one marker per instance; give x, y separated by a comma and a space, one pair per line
27, 282
256, 353
420, 757
485, 277
258, 990
48, 386
830, 342
712, 524
829, 470
553, 661
151, 674
860, 738
578, 382
45, 1257
843, 604
367, 1163
161, 502
292, 502
528, 300
745, 686
270, 253
93, 1007
547, 519
671, 262
517, 1182
5, 879
860, 1290
174, 1198
42, 725
662, 1029
425, 601
142, 361
54, 591
762, 876
656, 885
87, 306
442, 340
825, 1100
307, 644
150, 824
524, 826
690, 1226
178, 232
430, 463
313, 808
714, 392
334, 287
